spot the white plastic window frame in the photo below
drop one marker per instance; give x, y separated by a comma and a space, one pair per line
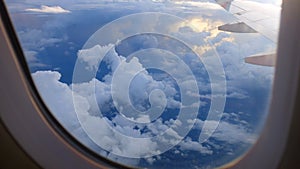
27, 118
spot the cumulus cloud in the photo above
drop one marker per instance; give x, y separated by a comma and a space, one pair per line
234, 134
56, 93
48, 9
94, 55
231, 129
88, 101
141, 86
189, 145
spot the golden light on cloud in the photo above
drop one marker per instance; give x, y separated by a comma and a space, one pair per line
206, 5
198, 24
201, 50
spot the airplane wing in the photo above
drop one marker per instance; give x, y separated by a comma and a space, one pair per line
264, 60
254, 18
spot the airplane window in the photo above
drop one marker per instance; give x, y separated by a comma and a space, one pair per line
154, 83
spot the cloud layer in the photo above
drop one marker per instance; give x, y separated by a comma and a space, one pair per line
91, 102
94, 103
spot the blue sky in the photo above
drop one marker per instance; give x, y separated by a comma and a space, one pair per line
203, 75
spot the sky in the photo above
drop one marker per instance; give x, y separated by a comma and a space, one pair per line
148, 83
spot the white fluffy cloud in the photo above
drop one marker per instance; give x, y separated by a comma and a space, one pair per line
56, 94
231, 129
48, 9
188, 144
142, 84
234, 134
94, 55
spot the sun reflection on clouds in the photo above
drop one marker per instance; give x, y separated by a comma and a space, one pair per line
200, 25
207, 5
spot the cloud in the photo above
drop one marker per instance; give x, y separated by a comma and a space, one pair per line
237, 95
35, 40
48, 9
234, 134
231, 129
94, 55
111, 136
32, 59
56, 93
141, 86
187, 144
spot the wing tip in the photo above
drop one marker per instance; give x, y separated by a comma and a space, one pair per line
263, 60
239, 27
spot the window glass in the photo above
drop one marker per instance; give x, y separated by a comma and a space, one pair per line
154, 84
